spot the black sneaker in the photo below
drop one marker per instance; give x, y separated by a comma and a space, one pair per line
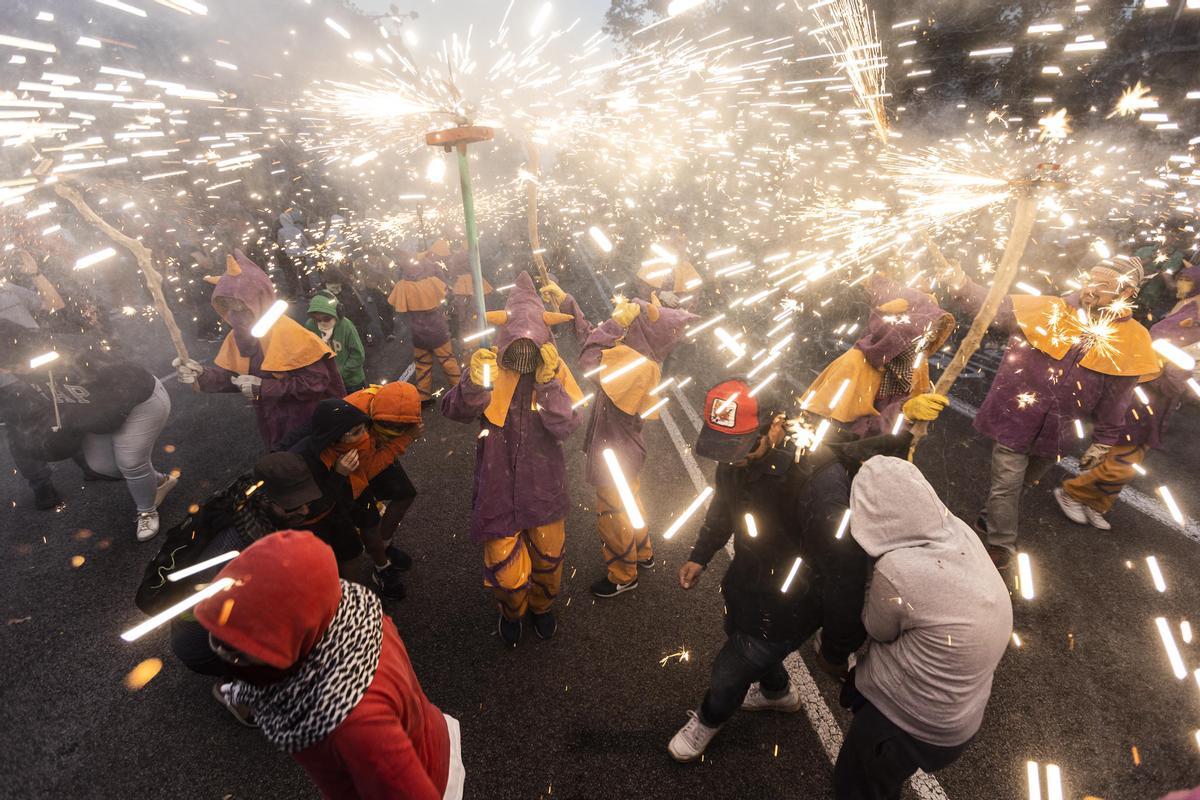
46, 497
606, 588
509, 630
387, 582
544, 625
646, 563
400, 559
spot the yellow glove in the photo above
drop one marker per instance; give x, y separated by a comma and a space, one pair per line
626, 313
483, 356
552, 293
925, 407
549, 365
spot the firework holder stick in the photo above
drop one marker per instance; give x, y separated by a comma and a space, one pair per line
140, 252
936, 251
1023, 219
531, 197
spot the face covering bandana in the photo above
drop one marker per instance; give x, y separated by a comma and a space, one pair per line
326, 328
521, 356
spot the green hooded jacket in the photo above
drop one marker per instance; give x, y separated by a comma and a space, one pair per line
347, 347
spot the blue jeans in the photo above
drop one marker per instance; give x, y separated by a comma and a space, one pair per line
742, 661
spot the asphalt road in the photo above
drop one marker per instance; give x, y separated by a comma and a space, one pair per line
588, 714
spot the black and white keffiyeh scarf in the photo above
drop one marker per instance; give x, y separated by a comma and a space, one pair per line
305, 708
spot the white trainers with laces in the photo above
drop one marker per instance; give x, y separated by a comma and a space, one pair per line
1096, 519
689, 742
1073, 509
147, 526
757, 701
165, 486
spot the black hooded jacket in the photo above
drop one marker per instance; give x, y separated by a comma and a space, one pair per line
797, 513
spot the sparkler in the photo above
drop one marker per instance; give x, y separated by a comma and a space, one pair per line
1156, 574
202, 566
1173, 507
632, 511
264, 324
43, 359
682, 519
167, 614
1175, 354
787, 583
1168, 640
843, 525
1025, 575
751, 526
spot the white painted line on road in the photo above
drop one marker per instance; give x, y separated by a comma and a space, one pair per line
690, 412
408, 373
823, 722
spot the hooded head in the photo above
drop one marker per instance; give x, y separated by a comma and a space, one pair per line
243, 293
892, 506
1116, 278
332, 419
655, 332
284, 596
395, 405
418, 267
523, 318
896, 327
324, 311
1187, 282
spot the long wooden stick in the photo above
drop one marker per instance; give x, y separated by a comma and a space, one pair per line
534, 168
140, 252
1023, 218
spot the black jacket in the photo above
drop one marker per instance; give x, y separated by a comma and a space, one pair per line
797, 514
95, 393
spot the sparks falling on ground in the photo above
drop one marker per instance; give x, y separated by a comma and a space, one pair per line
679, 656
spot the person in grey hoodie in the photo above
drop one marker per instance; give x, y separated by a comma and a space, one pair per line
938, 620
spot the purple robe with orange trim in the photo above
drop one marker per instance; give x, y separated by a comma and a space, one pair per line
1147, 424
1043, 384
616, 419
421, 294
297, 369
520, 471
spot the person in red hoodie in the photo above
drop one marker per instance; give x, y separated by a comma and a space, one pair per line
327, 677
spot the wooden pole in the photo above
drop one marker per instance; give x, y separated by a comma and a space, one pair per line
534, 167
141, 254
1023, 218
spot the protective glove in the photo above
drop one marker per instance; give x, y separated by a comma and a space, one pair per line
188, 370
925, 407
553, 293
549, 366
1093, 456
626, 313
482, 356
247, 384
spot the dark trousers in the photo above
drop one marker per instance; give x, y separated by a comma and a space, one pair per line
877, 757
32, 469
743, 660
189, 642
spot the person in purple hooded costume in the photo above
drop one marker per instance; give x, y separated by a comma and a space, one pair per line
866, 389
630, 347
1087, 497
524, 397
284, 373
1069, 359
421, 294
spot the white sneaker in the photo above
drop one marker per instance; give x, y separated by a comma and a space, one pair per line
689, 742
1096, 519
164, 488
147, 526
757, 701
1070, 506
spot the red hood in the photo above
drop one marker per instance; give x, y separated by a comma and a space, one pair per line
284, 596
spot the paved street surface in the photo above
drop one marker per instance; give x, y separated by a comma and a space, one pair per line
588, 714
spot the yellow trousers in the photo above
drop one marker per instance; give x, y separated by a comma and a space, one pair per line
524, 571
622, 546
1098, 487
423, 368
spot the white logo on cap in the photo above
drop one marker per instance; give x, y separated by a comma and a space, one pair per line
724, 412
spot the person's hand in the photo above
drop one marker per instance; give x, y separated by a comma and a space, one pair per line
626, 313
925, 407
689, 573
247, 385
484, 356
549, 366
187, 370
956, 276
347, 463
553, 293
1093, 456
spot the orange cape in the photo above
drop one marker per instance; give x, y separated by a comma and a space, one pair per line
423, 295
858, 398
630, 391
505, 384
465, 285
1051, 326
287, 346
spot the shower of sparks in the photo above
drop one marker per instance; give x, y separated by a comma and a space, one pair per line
1133, 101
847, 29
678, 656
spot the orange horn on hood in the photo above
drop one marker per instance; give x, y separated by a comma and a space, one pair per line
232, 267
497, 317
556, 317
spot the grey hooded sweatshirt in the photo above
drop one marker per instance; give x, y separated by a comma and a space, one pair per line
937, 613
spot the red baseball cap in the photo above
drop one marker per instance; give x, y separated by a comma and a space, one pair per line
731, 422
